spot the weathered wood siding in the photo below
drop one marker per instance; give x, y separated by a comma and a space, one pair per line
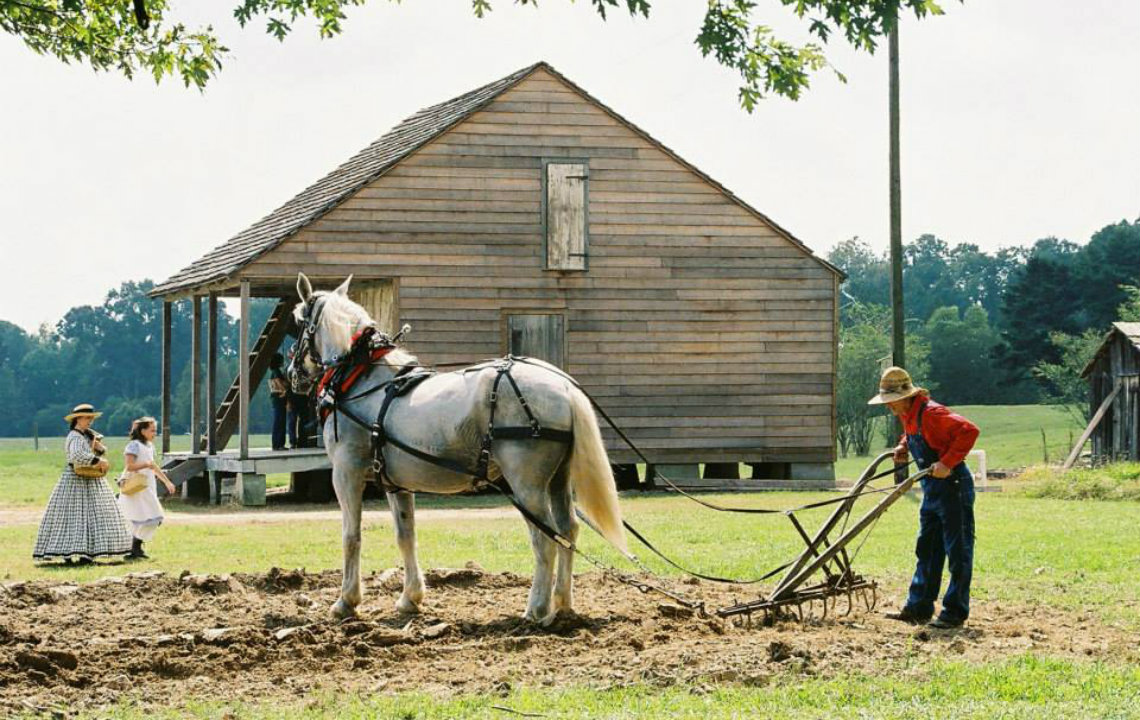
706, 333
1116, 437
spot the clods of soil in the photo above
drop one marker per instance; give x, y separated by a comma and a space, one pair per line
163, 639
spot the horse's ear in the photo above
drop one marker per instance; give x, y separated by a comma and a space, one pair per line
304, 287
343, 289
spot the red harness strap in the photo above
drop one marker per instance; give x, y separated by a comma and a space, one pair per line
354, 374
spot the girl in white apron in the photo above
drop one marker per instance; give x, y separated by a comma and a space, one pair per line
142, 510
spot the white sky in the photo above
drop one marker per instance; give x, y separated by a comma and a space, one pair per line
1021, 119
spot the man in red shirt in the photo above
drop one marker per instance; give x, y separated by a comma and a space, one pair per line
940, 440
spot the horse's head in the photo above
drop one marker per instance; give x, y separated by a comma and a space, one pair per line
327, 322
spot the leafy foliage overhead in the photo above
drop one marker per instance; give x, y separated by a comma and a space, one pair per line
131, 36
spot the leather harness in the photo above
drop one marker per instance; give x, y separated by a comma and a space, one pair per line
369, 347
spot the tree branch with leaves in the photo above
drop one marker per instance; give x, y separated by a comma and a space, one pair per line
132, 36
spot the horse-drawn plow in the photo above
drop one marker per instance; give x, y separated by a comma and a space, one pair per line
801, 587
822, 575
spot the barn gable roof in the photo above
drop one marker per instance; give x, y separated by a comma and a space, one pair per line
1129, 330
221, 263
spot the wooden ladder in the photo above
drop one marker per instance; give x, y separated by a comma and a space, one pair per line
272, 335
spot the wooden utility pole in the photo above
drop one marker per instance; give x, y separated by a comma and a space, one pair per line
898, 344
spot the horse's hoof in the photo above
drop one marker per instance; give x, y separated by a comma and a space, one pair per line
550, 619
342, 610
407, 606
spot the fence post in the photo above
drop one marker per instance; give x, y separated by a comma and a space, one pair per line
1044, 447
35, 435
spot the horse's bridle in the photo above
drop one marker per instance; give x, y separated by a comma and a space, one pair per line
306, 345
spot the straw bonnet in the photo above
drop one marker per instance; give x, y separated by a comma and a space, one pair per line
82, 410
895, 384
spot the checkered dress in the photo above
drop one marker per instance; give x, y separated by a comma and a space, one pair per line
81, 518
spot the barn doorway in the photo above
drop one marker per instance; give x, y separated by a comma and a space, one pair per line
538, 335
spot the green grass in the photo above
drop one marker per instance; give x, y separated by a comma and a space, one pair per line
1117, 481
1023, 687
27, 476
1011, 436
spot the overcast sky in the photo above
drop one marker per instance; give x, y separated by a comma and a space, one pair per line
1021, 119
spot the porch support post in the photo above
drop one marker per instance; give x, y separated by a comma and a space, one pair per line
243, 371
166, 322
212, 375
196, 376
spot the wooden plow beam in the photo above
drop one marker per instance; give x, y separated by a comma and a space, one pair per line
801, 585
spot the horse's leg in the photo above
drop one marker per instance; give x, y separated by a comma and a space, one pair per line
403, 505
562, 510
538, 607
349, 488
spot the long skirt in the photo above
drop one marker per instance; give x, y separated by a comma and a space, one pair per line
81, 519
142, 511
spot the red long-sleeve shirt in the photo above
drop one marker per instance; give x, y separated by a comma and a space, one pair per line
947, 433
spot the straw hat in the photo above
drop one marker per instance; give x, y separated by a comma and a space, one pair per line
895, 384
82, 410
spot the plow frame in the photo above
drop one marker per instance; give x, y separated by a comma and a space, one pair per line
832, 558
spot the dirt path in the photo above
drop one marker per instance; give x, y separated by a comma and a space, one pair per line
164, 640
11, 516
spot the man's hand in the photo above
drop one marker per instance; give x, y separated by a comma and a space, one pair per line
939, 470
900, 453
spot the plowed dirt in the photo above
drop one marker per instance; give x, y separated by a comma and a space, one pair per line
164, 639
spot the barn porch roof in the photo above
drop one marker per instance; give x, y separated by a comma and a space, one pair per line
217, 268
1130, 330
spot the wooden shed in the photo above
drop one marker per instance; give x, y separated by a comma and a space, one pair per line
1114, 394
528, 217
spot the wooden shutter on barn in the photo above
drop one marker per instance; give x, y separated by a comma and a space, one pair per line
539, 336
566, 215
378, 297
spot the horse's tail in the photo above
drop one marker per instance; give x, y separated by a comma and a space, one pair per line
591, 474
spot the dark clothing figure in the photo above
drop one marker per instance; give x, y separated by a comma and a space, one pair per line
278, 389
298, 422
946, 517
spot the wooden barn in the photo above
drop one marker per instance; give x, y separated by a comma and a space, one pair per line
1114, 394
528, 217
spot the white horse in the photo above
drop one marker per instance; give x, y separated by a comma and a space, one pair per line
446, 417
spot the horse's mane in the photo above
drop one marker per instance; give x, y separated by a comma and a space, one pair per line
343, 318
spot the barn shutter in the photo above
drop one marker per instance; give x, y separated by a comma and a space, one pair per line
378, 297
537, 336
566, 215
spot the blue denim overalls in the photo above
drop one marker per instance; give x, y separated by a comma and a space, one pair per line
946, 531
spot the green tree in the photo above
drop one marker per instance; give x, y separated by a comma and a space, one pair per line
1110, 261
133, 36
961, 356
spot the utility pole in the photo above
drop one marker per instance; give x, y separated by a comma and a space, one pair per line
898, 346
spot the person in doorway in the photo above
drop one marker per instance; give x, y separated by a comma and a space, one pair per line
82, 521
142, 509
939, 440
278, 391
